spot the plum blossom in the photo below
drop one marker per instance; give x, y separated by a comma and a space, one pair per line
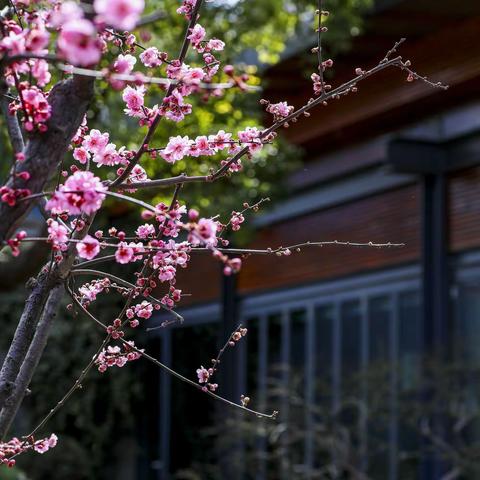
88, 248
42, 446
203, 374
145, 231
57, 234
114, 356
279, 110
15, 446
108, 156
40, 72
174, 108
121, 14
204, 232
64, 12
78, 42
35, 107
176, 148
81, 193
124, 63
124, 253
197, 34
144, 310
151, 57
95, 141
134, 98
81, 155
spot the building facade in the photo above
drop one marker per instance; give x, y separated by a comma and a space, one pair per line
396, 162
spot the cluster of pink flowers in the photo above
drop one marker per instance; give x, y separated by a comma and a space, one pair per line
33, 104
115, 356
89, 291
141, 310
14, 242
179, 147
203, 232
236, 220
81, 193
170, 256
121, 14
10, 196
96, 146
317, 80
279, 110
152, 58
28, 40
78, 42
174, 108
15, 447
129, 252
57, 235
134, 98
186, 8
145, 231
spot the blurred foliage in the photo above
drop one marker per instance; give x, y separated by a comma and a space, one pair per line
256, 34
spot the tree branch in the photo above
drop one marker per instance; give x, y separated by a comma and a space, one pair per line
44, 151
23, 335
13, 127
32, 358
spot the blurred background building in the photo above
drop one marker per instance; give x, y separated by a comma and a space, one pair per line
396, 162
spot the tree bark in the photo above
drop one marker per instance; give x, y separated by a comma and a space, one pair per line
31, 360
44, 151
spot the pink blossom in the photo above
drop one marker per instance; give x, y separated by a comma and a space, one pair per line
107, 156
78, 42
204, 232
124, 63
215, 44
176, 149
57, 234
124, 253
121, 14
166, 273
81, 155
151, 57
40, 72
65, 12
14, 43
144, 231
42, 446
144, 310
280, 110
82, 192
197, 34
202, 374
88, 248
134, 98
96, 141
